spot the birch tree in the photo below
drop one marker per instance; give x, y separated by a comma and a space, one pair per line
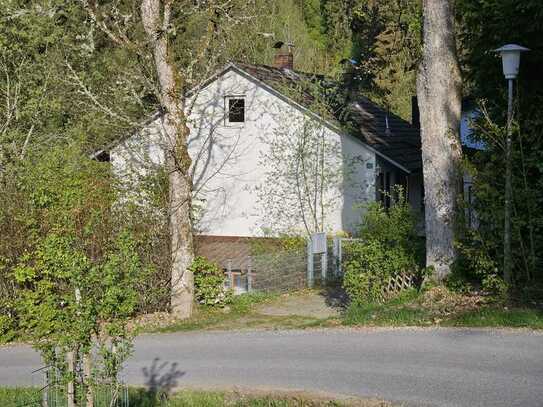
439, 97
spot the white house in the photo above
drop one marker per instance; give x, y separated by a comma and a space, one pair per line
234, 118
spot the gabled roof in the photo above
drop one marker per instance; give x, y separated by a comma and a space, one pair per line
400, 144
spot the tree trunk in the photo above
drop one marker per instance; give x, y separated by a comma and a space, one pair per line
71, 361
155, 16
439, 96
87, 378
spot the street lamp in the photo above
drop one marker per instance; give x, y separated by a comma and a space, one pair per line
510, 54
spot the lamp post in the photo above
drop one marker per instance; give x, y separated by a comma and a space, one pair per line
510, 54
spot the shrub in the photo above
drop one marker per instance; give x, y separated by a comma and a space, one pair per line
209, 283
389, 246
475, 266
7, 329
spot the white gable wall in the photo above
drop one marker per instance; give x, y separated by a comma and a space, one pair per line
227, 161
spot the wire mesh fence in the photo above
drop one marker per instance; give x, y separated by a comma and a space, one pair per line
281, 270
49, 389
276, 271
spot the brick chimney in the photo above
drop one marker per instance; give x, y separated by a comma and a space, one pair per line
284, 59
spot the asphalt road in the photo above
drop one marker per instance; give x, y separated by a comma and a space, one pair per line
421, 367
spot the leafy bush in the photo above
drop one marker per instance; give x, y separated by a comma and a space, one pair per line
209, 283
475, 266
7, 327
370, 266
69, 272
389, 246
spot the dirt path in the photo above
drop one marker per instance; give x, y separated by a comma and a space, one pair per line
312, 303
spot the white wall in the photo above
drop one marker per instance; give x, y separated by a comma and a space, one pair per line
227, 161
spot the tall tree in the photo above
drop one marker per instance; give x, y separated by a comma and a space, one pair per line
439, 96
155, 16
179, 45
387, 42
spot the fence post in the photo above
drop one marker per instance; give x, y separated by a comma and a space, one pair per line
229, 273
324, 266
249, 281
310, 275
44, 395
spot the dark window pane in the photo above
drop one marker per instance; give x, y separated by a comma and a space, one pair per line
236, 110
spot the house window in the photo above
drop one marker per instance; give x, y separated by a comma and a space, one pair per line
236, 109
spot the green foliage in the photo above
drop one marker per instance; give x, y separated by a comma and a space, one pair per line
293, 244
209, 283
8, 327
370, 265
389, 246
395, 227
499, 317
282, 244
410, 309
394, 312
481, 29
140, 397
476, 267
74, 267
244, 303
19, 396
387, 39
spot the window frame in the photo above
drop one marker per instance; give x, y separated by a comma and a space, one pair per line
227, 100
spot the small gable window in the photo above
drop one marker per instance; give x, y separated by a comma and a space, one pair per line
236, 109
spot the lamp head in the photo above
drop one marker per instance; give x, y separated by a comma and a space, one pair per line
510, 54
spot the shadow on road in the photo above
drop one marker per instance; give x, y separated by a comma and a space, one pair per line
161, 378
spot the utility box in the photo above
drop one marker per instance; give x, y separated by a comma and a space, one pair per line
318, 243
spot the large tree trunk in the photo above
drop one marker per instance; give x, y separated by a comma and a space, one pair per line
155, 17
439, 97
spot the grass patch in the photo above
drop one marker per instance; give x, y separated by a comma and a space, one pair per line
499, 317
439, 307
383, 315
19, 396
241, 314
213, 318
396, 312
139, 397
